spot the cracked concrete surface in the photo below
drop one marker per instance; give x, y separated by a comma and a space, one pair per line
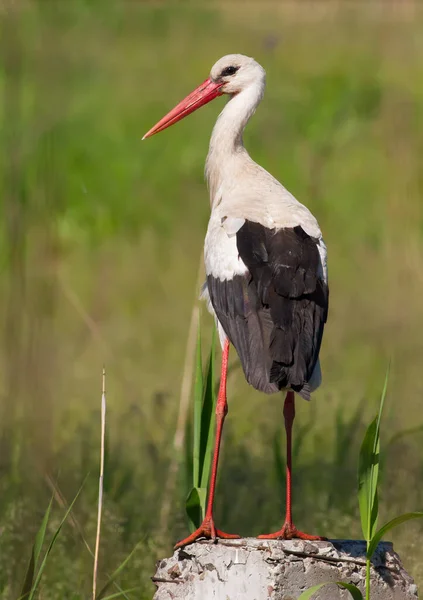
252, 569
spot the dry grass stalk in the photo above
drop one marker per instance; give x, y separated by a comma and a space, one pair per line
100, 483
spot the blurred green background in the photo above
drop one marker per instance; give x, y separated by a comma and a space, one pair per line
101, 238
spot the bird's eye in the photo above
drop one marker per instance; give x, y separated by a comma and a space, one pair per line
229, 71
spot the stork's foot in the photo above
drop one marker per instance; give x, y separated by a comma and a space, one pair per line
208, 531
289, 532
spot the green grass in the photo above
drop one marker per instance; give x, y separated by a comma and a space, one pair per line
200, 449
99, 247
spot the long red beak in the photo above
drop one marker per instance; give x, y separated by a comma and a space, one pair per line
207, 91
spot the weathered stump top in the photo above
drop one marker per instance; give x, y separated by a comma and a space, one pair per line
253, 569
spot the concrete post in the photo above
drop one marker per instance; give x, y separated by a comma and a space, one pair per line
252, 569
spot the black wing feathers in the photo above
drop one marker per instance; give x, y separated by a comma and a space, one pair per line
275, 315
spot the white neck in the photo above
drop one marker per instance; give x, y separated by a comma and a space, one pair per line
226, 140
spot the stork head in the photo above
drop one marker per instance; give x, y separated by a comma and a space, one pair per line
235, 72
231, 74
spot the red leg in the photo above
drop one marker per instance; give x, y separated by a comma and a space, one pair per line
207, 528
289, 530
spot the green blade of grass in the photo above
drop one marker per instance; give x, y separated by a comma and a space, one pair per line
368, 471
387, 527
208, 418
53, 541
353, 590
117, 572
198, 402
35, 553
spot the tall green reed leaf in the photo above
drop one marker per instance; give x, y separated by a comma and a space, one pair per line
198, 402
196, 497
204, 424
194, 506
208, 418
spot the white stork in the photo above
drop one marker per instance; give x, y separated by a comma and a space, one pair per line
265, 262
